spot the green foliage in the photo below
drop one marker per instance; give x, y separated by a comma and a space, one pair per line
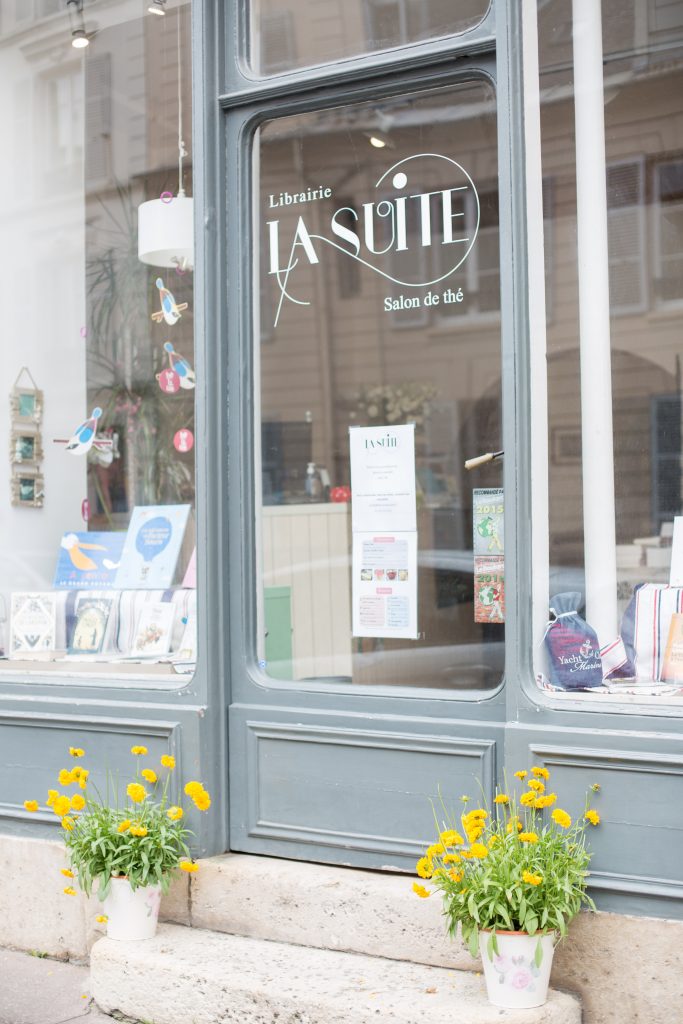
98, 850
496, 881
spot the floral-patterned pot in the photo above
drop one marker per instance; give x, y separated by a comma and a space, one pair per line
517, 976
132, 915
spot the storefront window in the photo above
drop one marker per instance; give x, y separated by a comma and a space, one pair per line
299, 33
381, 558
615, 538
97, 547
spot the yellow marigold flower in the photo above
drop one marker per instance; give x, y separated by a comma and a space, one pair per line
440, 872
192, 788
168, 761
492, 841
479, 851
80, 775
77, 802
65, 777
76, 752
69, 891
424, 867
456, 876
136, 792
67, 872
561, 818
451, 858
202, 801
466, 854
101, 918
52, 795
546, 801
149, 775
60, 805
512, 823
174, 813
478, 812
451, 838
473, 834
436, 849
531, 879
187, 865
536, 785
124, 826
521, 775
596, 787
502, 798
31, 805
540, 773
593, 817
527, 799
68, 824
138, 751
418, 889
138, 830
528, 837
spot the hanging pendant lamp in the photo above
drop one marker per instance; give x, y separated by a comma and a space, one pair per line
166, 224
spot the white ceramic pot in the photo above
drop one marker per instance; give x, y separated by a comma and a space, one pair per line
132, 915
515, 976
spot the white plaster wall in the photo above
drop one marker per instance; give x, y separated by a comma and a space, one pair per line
42, 296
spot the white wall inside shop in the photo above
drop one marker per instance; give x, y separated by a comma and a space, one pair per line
42, 292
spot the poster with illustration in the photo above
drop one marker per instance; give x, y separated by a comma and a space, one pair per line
88, 561
152, 546
487, 521
489, 589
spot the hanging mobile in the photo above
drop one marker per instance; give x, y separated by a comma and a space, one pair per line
170, 309
84, 437
481, 460
179, 367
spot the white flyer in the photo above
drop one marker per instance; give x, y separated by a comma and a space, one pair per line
385, 584
383, 478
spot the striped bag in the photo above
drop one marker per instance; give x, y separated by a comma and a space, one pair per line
645, 627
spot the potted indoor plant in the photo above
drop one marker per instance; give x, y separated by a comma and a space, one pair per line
512, 879
128, 844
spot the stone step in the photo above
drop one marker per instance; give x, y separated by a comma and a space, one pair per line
316, 905
194, 976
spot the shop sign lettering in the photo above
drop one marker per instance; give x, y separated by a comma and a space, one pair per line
438, 214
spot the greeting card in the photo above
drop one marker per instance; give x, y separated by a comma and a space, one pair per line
91, 625
153, 630
32, 626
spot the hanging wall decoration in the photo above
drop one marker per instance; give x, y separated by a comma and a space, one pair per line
26, 443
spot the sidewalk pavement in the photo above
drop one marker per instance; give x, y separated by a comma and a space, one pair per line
37, 990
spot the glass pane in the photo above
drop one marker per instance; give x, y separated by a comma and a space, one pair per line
613, 540
99, 490
379, 308
299, 33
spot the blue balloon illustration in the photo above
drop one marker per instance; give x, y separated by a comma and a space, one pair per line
153, 537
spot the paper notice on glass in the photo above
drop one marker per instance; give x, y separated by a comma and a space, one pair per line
487, 520
489, 589
385, 584
676, 571
383, 478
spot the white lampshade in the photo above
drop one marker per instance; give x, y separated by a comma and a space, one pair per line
166, 232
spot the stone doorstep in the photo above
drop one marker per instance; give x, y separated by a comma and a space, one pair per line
193, 976
326, 907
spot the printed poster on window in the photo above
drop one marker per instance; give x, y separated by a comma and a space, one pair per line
384, 524
385, 584
383, 478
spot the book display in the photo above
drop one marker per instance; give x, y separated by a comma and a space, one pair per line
117, 596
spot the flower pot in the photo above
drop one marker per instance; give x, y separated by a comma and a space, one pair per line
132, 915
515, 976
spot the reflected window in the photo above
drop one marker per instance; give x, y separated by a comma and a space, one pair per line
97, 577
301, 33
365, 252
